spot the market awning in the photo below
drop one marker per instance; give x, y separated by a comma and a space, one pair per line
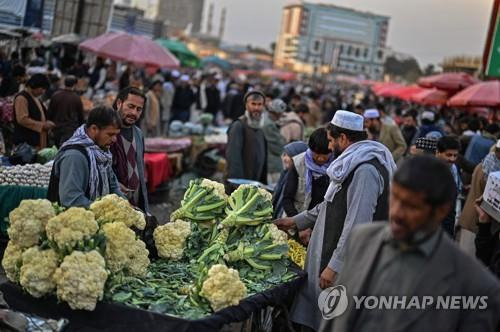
181, 51
216, 61
279, 74
137, 49
431, 97
69, 38
448, 81
485, 94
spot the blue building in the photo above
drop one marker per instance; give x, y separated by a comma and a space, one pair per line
318, 39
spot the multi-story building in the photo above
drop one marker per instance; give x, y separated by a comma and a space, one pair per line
321, 39
36, 15
88, 18
180, 14
462, 63
133, 20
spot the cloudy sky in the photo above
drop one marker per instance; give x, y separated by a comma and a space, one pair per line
427, 29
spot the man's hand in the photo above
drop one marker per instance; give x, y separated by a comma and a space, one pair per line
304, 236
285, 224
327, 278
48, 125
484, 218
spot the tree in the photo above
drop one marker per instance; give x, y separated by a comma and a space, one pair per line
407, 68
429, 70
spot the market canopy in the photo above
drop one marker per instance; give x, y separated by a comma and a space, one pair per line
431, 97
279, 74
69, 38
181, 51
485, 94
137, 49
401, 92
448, 81
216, 61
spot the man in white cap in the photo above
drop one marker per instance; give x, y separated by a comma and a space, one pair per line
184, 98
275, 141
389, 135
357, 194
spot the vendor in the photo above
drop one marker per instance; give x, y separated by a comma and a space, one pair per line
82, 170
30, 124
128, 149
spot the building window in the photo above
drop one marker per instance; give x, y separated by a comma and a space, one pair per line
356, 52
380, 54
349, 50
365, 53
341, 49
316, 45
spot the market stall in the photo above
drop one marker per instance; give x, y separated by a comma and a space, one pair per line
219, 260
117, 317
158, 169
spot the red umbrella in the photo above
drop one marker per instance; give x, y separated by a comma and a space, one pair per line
448, 81
385, 89
485, 94
133, 48
432, 97
403, 93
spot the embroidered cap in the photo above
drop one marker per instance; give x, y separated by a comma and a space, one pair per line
426, 143
277, 106
428, 115
348, 120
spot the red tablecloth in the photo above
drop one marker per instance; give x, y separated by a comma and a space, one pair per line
158, 169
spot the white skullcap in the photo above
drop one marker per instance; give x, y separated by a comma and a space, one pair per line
371, 113
348, 120
184, 78
428, 115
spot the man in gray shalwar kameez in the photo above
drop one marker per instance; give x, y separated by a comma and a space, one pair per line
358, 193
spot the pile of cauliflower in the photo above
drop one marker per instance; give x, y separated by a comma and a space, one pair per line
54, 252
111, 208
170, 239
223, 287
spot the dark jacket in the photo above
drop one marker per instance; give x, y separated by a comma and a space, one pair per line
246, 152
318, 190
66, 111
23, 134
183, 98
488, 247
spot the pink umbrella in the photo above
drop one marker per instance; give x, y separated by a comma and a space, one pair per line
448, 81
137, 49
485, 94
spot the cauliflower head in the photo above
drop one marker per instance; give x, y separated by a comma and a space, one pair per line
170, 239
36, 275
123, 251
218, 188
71, 226
80, 279
12, 261
28, 221
278, 236
113, 208
223, 287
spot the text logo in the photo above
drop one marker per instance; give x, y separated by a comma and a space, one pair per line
333, 302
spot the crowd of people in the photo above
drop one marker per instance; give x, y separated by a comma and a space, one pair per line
339, 158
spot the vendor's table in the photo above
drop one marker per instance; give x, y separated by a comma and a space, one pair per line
158, 169
160, 144
117, 317
11, 197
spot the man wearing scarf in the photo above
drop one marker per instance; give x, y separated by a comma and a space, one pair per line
82, 170
357, 194
246, 151
128, 150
